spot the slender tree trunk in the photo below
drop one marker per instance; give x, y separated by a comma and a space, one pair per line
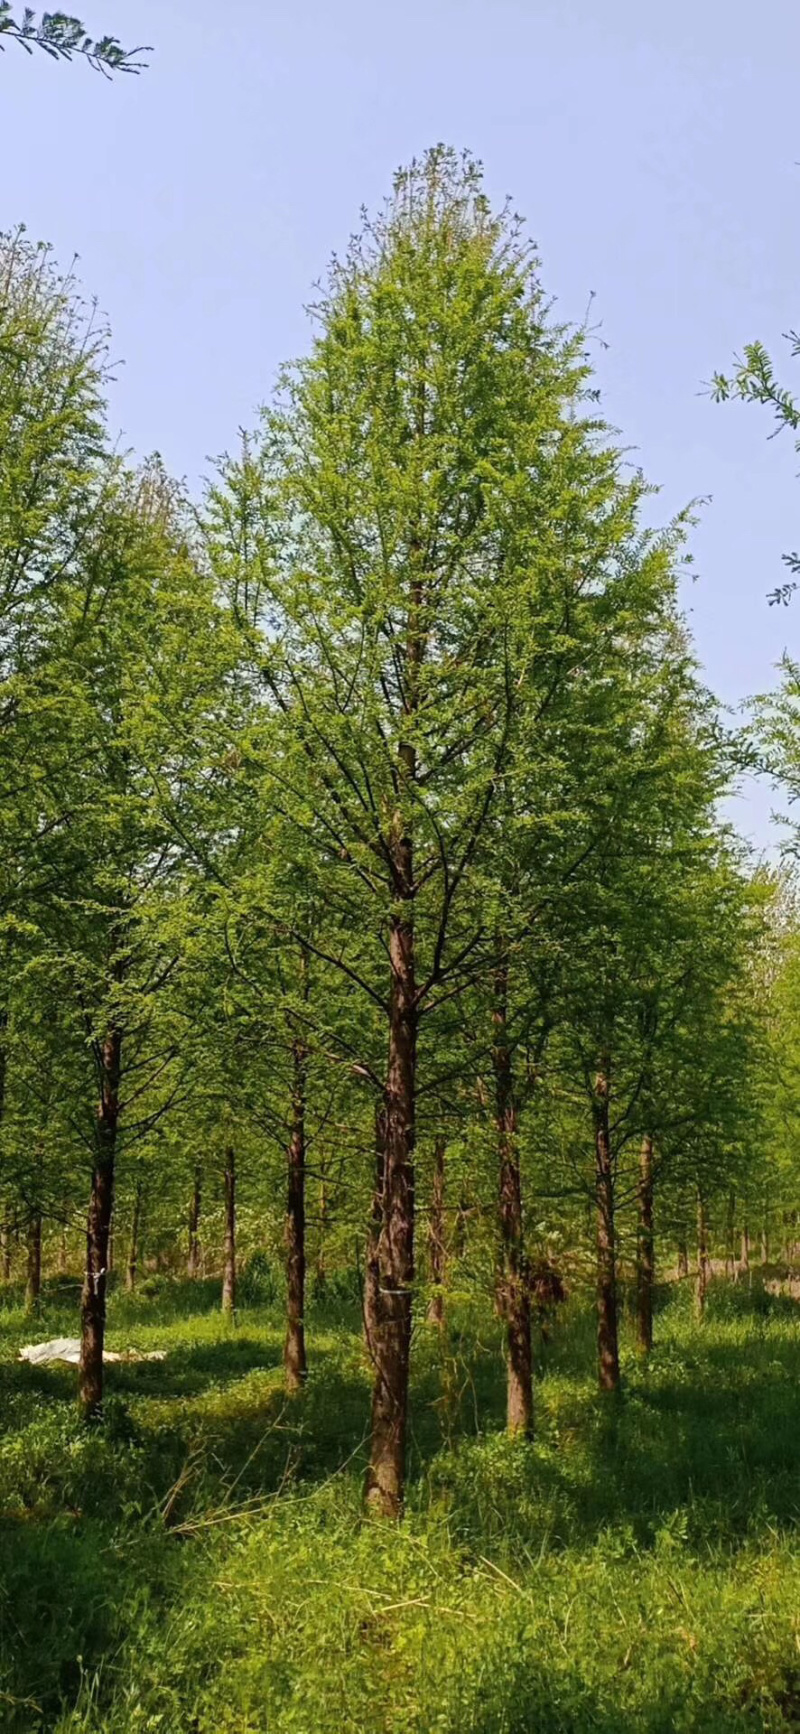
101, 1203
513, 1291
294, 1354
645, 1250
33, 1283
607, 1332
62, 1245
5, 1249
372, 1280
702, 1257
730, 1237
436, 1237
193, 1261
744, 1260
320, 1265
133, 1245
460, 1229
229, 1248
391, 1334
764, 1245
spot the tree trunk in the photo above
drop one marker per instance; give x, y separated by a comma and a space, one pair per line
133, 1246
372, 1281
744, 1261
320, 1267
62, 1246
193, 1261
5, 1249
33, 1283
391, 1327
607, 1333
101, 1203
513, 1293
294, 1353
645, 1254
702, 1257
730, 1240
229, 1248
436, 1238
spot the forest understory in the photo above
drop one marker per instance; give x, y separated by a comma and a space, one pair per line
203, 1561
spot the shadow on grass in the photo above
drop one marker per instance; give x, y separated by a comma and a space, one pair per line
702, 1443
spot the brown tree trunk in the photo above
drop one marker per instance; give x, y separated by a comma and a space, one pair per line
101, 1203
607, 1332
132, 1270
513, 1292
391, 1331
294, 1353
744, 1260
645, 1250
320, 1266
460, 1230
5, 1249
764, 1245
33, 1282
391, 1327
372, 1280
193, 1261
702, 1257
730, 1241
436, 1238
229, 1247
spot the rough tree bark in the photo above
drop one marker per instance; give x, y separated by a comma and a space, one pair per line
294, 1353
132, 1269
703, 1271
101, 1204
645, 1250
391, 1328
33, 1277
193, 1260
607, 1330
229, 1245
436, 1237
513, 1293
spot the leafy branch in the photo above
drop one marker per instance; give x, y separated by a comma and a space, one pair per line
62, 36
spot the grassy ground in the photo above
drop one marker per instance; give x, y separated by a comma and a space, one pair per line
203, 1565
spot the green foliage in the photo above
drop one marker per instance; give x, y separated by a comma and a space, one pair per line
754, 381
61, 35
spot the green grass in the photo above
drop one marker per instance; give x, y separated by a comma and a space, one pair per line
202, 1564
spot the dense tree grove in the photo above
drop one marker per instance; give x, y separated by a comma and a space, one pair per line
368, 918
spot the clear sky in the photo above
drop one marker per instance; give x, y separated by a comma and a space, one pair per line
654, 149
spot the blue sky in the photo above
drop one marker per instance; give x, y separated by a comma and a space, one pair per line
653, 149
